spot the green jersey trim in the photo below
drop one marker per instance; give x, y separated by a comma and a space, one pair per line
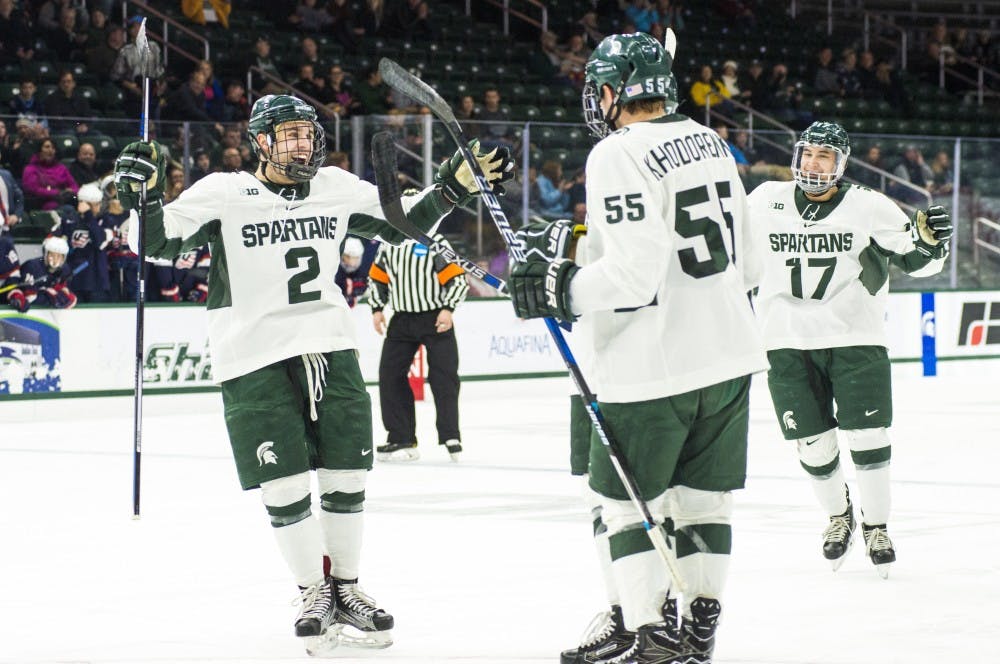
819, 210
220, 295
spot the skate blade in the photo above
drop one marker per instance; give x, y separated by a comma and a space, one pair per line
399, 455
454, 456
351, 637
836, 563
882, 570
322, 645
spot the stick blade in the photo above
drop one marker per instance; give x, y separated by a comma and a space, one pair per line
397, 78
385, 166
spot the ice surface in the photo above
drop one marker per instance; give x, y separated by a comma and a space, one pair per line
486, 561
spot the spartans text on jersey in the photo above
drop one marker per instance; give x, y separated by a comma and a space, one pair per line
810, 243
289, 230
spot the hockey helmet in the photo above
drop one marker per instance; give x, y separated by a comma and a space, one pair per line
283, 153
54, 251
821, 135
636, 66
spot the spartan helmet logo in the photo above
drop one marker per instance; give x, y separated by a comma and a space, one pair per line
786, 418
265, 454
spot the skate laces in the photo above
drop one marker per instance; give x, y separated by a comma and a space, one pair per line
355, 600
315, 602
877, 539
600, 628
839, 529
316, 366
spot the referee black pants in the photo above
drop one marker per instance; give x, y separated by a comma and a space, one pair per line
406, 333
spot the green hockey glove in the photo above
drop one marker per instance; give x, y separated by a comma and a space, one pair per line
545, 241
459, 185
932, 229
140, 162
540, 289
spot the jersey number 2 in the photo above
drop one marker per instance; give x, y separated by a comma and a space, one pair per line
293, 258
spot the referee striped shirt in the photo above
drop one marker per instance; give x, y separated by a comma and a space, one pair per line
410, 278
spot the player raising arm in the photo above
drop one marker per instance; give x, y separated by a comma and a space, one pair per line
283, 341
826, 248
673, 339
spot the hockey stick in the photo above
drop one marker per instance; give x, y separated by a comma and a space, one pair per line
76, 270
398, 78
389, 194
142, 46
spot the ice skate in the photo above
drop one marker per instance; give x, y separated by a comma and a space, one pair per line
838, 536
316, 616
657, 643
605, 638
699, 630
398, 452
454, 447
358, 622
880, 548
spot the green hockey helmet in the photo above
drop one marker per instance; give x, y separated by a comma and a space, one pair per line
287, 154
635, 66
821, 135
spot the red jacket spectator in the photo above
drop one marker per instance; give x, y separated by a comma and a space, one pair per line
45, 178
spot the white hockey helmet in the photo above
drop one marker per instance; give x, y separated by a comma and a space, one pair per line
54, 252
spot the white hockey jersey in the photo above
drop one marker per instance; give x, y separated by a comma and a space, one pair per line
663, 294
825, 276
274, 257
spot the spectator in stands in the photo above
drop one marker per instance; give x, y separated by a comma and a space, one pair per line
496, 130
6, 141
939, 35
187, 103
232, 161
346, 28
891, 87
232, 137
213, 89
235, 107
97, 31
45, 178
928, 66
753, 85
338, 93
709, 91
15, 35
824, 76
742, 164
50, 14
590, 30
784, 99
730, 79
175, 182
848, 77
202, 12
309, 54
101, 57
578, 188
202, 166
11, 203
466, 109
262, 60
548, 61
67, 41
83, 169
341, 160
410, 19
640, 12
26, 102
553, 190
912, 169
25, 144
88, 242
943, 181
575, 59
65, 102
866, 76
372, 94
669, 15
310, 18
127, 72
307, 83
984, 50
868, 177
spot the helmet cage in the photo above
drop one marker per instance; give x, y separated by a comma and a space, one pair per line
817, 183
278, 154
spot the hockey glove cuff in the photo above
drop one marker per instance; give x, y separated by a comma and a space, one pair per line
932, 229
458, 184
540, 289
548, 241
18, 300
140, 162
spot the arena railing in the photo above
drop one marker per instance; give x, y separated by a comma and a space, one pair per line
168, 24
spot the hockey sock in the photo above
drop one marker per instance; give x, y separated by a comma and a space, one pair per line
704, 539
288, 502
342, 518
820, 457
870, 451
601, 543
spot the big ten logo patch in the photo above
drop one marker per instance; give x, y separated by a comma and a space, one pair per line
980, 324
29, 355
176, 362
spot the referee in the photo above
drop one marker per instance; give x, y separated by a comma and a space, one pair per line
422, 289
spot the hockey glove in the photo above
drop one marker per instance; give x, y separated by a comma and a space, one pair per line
457, 181
549, 241
540, 289
63, 298
140, 162
18, 300
932, 230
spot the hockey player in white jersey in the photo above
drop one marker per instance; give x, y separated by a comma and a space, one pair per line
826, 247
664, 299
283, 340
